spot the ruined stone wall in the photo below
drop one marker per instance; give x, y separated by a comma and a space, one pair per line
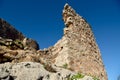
78, 47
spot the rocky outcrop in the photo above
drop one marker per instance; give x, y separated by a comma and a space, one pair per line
75, 56
10, 33
35, 71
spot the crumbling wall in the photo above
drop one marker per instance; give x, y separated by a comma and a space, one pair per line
79, 48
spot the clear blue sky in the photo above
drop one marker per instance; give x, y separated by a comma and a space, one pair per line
42, 21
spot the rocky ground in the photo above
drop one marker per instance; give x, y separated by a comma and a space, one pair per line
35, 71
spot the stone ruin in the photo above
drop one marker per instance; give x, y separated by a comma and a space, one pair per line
78, 48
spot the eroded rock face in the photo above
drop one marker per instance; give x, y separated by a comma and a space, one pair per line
10, 33
34, 71
30, 43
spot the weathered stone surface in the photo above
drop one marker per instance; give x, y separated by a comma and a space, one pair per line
30, 44
3, 74
8, 32
87, 78
34, 71
8, 55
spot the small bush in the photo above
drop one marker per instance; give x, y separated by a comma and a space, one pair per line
76, 77
65, 66
95, 78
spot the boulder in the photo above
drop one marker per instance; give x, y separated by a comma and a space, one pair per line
35, 71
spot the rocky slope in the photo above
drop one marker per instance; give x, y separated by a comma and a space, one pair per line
35, 71
9, 32
74, 57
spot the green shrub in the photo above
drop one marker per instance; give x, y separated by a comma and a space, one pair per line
95, 78
76, 77
65, 66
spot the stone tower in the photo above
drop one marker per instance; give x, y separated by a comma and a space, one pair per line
77, 48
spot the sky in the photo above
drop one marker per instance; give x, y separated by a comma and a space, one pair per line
41, 20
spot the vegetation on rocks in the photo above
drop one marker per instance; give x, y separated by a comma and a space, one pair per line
65, 66
76, 77
95, 78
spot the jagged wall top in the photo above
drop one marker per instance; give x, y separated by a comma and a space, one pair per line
69, 15
69, 10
